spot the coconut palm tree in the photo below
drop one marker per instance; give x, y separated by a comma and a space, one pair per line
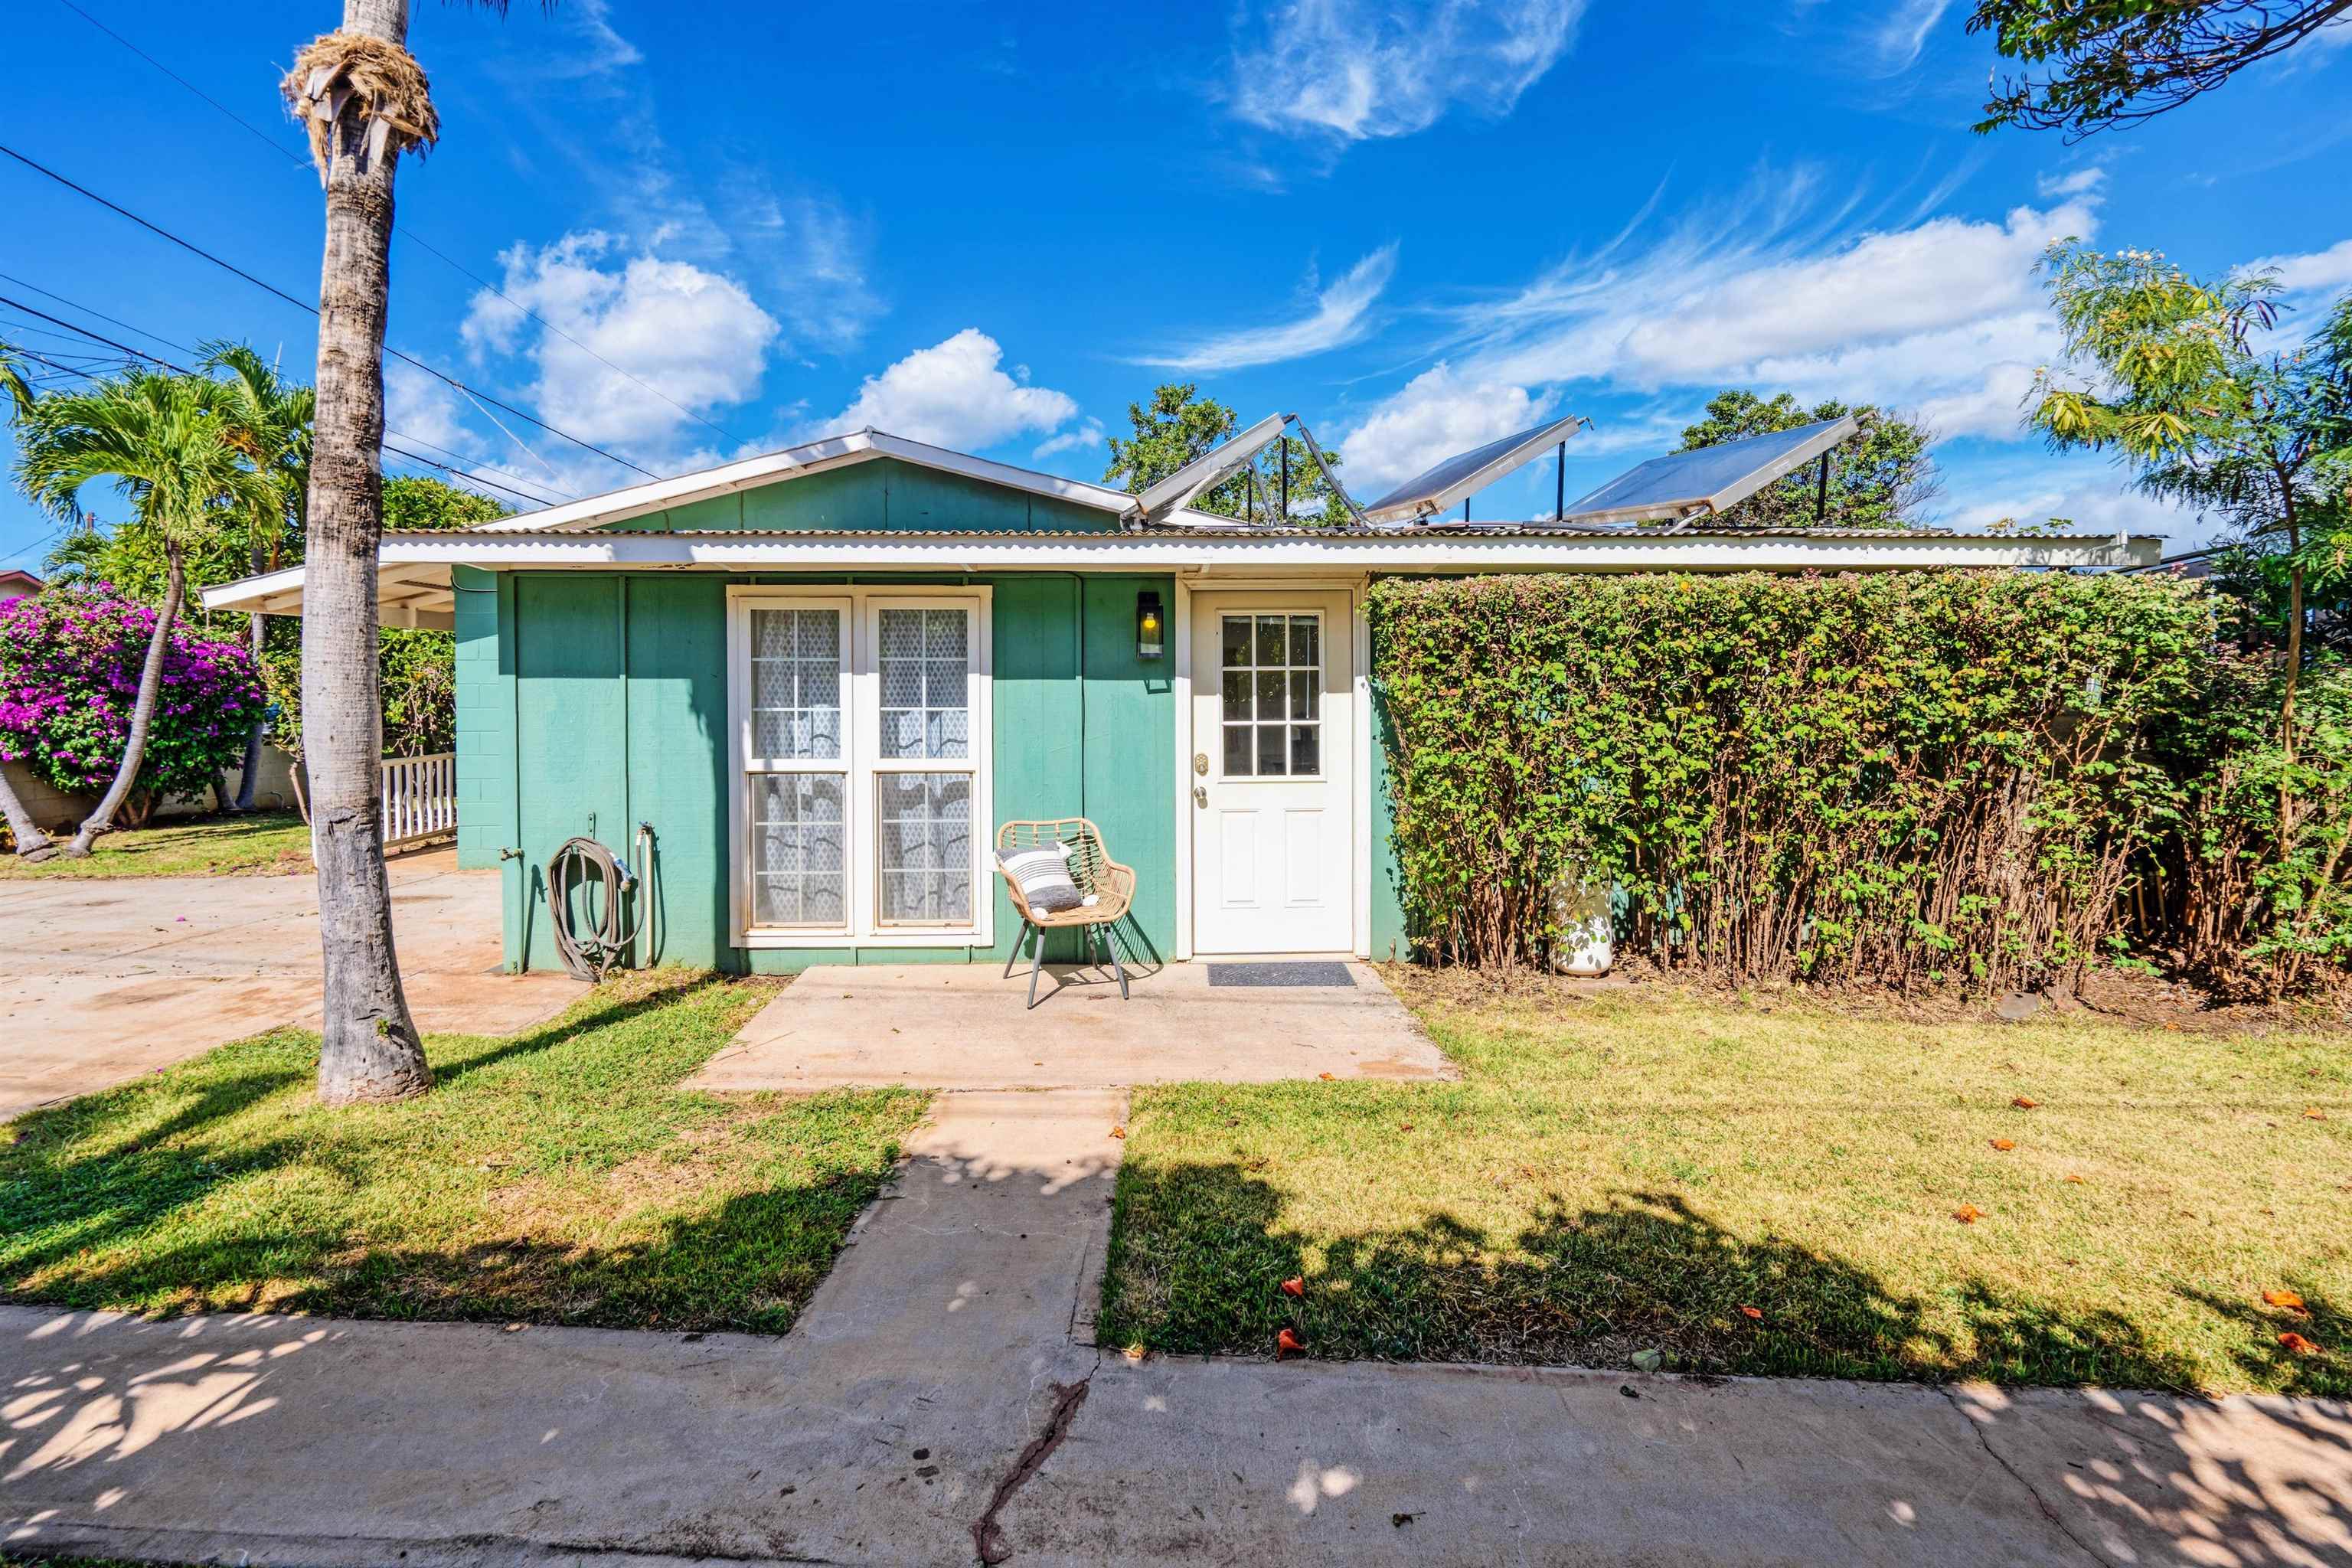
270, 421
32, 844
164, 439
364, 101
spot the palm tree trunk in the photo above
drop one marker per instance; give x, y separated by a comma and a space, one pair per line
142, 712
32, 844
369, 1049
253, 736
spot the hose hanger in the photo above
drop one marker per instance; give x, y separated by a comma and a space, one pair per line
589, 953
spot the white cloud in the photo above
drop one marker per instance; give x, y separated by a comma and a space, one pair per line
1341, 316
1903, 32
1353, 69
423, 407
682, 344
1435, 415
2076, 183
1090, 433
1943, 316
956, 393
2311, 273
2090, 507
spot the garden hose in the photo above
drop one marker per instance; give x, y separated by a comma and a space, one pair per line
588, 955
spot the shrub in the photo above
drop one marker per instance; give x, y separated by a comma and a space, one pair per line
2252, 887
69, 664
1900, 778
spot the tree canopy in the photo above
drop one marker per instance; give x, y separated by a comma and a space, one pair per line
2117, 62
1178, 424
1882, 478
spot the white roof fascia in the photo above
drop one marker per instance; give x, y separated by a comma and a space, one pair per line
1207, 471
408, 557
834, 451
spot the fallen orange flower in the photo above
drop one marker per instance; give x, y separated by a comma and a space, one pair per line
2298, 1343
1968, 1214
2004, 1144
2023, 1103
1755, 1312
1294, 1286
1286, 1343
2287, 1298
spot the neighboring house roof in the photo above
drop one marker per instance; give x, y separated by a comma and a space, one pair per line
17, 584
415, 570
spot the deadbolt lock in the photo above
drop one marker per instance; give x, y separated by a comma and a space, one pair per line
1200, 763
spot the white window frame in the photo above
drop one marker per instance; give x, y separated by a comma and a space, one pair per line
861, 761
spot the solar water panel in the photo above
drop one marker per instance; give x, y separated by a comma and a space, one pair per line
1430, 492
1708, 480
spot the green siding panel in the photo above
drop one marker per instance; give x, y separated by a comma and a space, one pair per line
600, 700
880, 495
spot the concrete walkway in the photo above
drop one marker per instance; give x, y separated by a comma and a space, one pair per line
967, 1026
937, 1403
117, 977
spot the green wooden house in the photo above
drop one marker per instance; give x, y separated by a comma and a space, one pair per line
823, 676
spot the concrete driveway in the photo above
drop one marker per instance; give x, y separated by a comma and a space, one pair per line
111, 978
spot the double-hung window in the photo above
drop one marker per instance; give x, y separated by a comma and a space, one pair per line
860, 734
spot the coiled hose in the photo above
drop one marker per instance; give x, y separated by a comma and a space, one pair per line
588, 955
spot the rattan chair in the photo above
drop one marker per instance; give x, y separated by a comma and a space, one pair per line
1111, 884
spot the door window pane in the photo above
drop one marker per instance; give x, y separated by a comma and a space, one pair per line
797, 863
923, 660
925, 848
797, 685
1271, 698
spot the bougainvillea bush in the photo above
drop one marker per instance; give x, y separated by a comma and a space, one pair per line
69, 665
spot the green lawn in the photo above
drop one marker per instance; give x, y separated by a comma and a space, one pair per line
556, 1176
258, 844
1632, 1171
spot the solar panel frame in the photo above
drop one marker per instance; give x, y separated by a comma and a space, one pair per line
1206, 472
1438, 486
1707, 479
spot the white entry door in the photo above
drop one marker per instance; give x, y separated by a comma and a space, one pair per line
1273, 765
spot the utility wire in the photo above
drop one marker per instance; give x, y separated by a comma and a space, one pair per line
125, 348
303, 162
272, 288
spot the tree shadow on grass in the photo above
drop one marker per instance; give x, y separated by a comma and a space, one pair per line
89, 1188
1198, 1250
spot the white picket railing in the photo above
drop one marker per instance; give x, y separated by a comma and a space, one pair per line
420, 799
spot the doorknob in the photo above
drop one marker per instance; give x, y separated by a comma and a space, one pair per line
1199, 795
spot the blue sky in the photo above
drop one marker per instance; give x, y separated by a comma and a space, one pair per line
1418, 225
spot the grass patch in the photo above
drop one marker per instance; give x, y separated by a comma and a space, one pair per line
257, 844
1632, 1171
554, 1176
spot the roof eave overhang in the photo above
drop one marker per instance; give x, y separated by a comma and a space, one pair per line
415, 569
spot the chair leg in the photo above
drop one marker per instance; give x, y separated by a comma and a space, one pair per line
1014, 957
1111, 947
1034, 964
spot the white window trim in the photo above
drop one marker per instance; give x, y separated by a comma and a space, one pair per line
862, 730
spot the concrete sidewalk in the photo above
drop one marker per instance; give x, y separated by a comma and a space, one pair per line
114, 977
936, 1398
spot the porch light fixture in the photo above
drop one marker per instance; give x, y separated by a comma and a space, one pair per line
1150, 630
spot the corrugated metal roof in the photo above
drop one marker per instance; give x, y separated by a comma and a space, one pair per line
1541, 530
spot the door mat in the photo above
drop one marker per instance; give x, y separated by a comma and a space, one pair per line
1306, 973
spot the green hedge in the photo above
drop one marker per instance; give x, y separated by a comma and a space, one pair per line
1900, 778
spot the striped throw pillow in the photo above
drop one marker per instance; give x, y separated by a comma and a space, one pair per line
1044, 877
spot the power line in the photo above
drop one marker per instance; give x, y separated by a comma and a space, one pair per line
303, 162
387, 445
409, 359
